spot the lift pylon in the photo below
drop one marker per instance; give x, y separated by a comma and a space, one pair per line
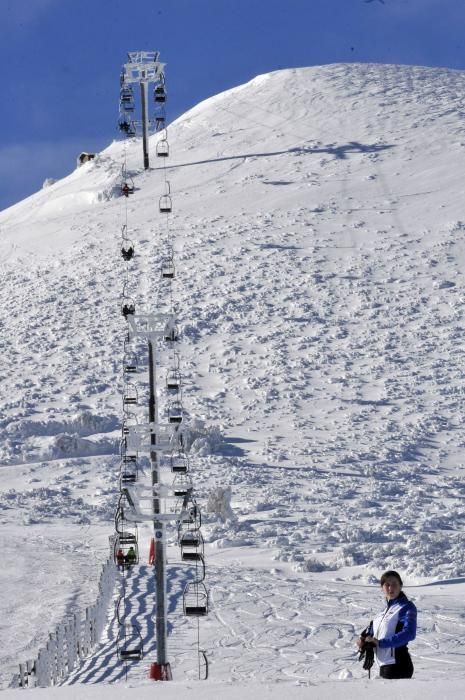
142, 68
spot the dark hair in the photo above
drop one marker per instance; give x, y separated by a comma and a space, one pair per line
388, 574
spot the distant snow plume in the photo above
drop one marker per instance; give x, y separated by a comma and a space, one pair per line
47, 182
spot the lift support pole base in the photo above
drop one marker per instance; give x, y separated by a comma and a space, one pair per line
160, 672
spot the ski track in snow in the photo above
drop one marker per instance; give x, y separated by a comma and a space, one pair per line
319, 247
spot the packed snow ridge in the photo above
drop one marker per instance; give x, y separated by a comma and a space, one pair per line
320, 246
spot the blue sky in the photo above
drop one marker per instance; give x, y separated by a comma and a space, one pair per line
61, 60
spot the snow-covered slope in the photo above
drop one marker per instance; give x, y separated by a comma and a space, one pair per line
319, 226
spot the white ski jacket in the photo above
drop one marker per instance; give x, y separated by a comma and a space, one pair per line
394, 628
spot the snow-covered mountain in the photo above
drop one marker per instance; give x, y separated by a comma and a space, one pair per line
319, 233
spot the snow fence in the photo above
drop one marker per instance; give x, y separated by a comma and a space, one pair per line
73, 640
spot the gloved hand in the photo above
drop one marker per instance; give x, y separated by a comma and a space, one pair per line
367, 655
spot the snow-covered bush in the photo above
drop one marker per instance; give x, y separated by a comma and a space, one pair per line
202, 439
219, 503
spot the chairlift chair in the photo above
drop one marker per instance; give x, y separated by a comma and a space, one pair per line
160, 123
173, 380
167, 268
192, 545
128, 477
163, 149
171, 334
179, 463
129, 643
130, 396
126, 93
130, 364
182, 488
127, 127
127, 187
128, 308
159, 94
127, 250
126, 105
127, 457
126, 553
165, 204
195, 600
192, 516
126, 98
129, 420
175, 412
128, 471
127, 530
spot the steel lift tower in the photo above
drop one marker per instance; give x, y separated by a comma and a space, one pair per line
143, 68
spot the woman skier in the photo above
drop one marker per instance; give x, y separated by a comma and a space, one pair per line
389, 632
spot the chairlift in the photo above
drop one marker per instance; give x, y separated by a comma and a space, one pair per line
129, 469
173, 380
127, 187
195, 600
160, 123
126, 98
179, 463
128, 308
190, 517
126, 553
171, 333
163, 149
127, 457
130, 396
129, 463
127, 127
159, 94
129, 643
130, 363
167, 268
190, 514
175, 412
126, 105
182, 488
129, 420
128, 477
127, 250
129, 532
126, 94
165, 204
192, 546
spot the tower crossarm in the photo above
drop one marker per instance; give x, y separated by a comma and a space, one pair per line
143, 66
